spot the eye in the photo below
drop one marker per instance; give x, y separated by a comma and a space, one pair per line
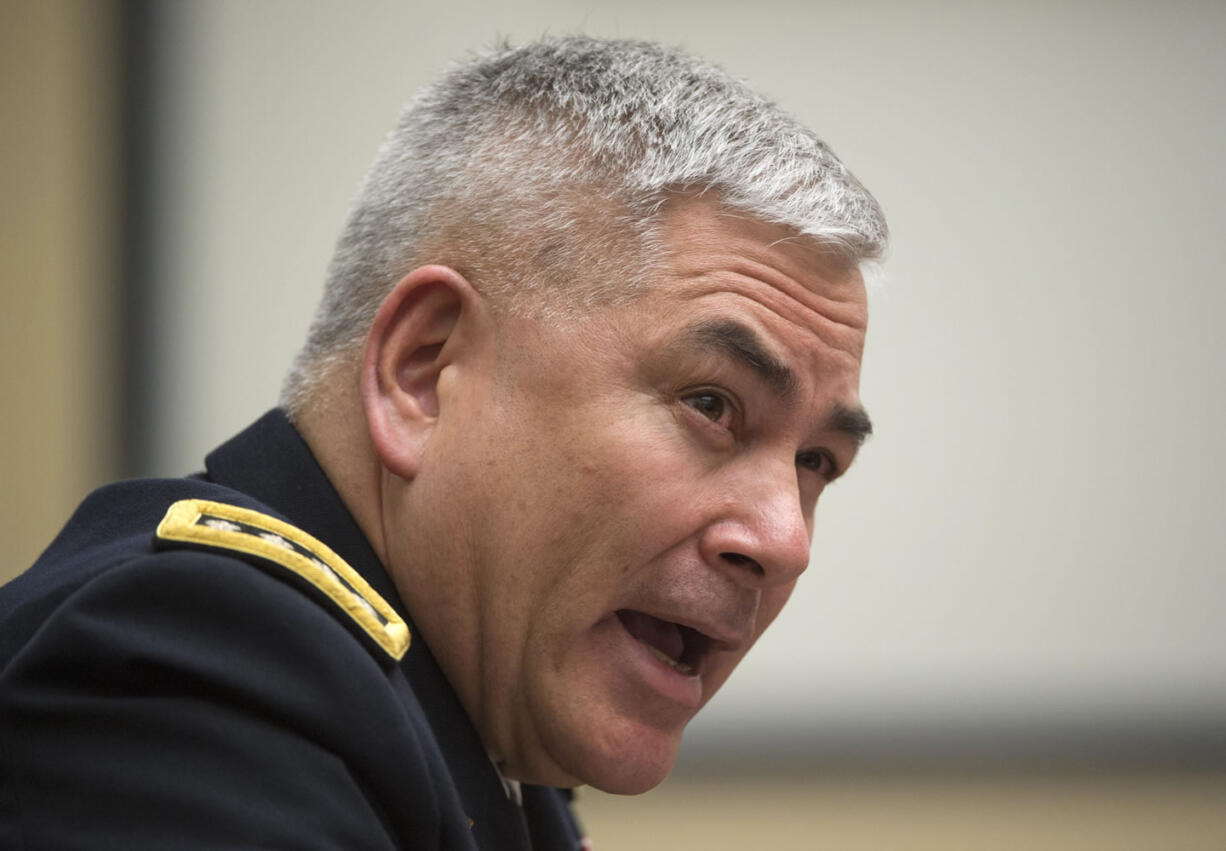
715, 407
711, 405
819, 461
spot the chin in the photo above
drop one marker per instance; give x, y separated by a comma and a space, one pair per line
609, 715
634, 781
625, 760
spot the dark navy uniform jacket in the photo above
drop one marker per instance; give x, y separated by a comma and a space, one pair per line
216, 677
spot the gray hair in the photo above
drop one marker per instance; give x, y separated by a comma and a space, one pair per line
542, 170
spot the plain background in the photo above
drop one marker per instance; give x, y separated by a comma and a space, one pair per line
1034, 536
1029, 554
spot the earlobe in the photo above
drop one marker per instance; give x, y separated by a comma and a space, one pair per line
406, 350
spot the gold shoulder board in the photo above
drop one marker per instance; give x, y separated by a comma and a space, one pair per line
228, 527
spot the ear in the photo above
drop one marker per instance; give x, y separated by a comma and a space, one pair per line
411, 340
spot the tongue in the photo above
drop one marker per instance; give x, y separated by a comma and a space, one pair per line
662, 635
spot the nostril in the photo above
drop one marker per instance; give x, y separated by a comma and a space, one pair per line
743, 561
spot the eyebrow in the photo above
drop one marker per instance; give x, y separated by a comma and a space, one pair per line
744, 345
852, 421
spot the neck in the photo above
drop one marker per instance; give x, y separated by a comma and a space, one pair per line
333, 424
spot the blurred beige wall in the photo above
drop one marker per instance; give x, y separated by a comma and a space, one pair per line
1032, 538
901, 812
58, 232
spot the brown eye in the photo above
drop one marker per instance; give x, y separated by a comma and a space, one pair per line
710, 405
819, 462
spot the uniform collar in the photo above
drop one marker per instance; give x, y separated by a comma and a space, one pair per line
271, 462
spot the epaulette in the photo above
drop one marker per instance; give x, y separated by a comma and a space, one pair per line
217, 525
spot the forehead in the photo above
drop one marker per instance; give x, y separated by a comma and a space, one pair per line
717, 261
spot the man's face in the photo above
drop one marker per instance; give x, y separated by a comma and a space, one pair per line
625, 502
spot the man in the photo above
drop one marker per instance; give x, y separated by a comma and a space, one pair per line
543, 472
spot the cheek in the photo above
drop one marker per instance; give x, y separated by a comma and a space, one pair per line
604, 487
628, 453
608, 508
647, 491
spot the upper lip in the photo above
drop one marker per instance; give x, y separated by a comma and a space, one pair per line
726, 633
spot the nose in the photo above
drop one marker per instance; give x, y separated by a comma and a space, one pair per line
762, 537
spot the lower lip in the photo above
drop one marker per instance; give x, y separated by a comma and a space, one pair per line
685, 689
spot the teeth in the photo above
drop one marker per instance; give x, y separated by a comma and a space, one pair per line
680, 667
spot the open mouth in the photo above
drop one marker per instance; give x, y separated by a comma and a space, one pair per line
679, 647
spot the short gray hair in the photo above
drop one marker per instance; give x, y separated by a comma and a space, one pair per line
544, 168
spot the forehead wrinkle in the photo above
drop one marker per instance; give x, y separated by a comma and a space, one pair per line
743, 344
836, 321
